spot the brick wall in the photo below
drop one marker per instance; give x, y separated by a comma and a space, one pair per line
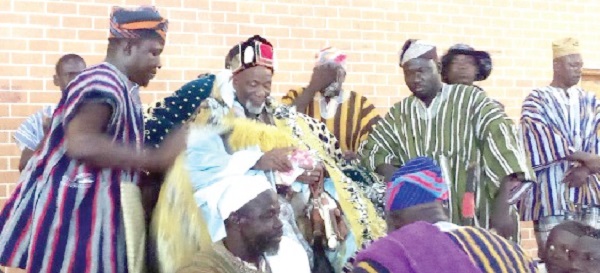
517, 33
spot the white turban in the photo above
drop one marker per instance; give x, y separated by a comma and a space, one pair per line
414, 49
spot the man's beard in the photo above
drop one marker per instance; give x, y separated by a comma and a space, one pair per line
253, 109
332, 90
264, 245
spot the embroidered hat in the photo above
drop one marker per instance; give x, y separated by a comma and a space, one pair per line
419, 181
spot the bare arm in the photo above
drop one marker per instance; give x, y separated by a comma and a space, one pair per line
25, 156
500, 220
87, 141
304, 99
322, 77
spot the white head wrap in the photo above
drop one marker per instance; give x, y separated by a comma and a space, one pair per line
413, 49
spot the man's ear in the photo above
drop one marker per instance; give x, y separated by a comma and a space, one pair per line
56, 80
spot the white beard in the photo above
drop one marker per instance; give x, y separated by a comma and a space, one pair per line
253, 109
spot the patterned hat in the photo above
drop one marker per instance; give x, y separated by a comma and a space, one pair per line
565, 46
414, 49
176, 109
419, 181
256, 51
330, 54
140, 22
484, 61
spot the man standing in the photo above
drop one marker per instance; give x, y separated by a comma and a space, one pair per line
347, 114
65, 214
254, 240
455, 125
560, 124
31, 132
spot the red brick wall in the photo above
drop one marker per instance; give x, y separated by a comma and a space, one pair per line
517, 33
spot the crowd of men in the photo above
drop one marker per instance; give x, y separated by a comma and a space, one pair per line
221, 177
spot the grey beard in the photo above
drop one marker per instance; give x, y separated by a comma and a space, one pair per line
331, 90
252, 109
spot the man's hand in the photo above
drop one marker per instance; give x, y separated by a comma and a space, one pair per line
170, 148
323, 76
350, 155
592, 163
341, 228
311, 176
275, 160
577, 176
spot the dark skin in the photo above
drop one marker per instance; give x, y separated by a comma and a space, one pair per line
321, 78
67, 71
585, 255
422, 76
432, 212
255, 229
253, 86
567, 73
138, 61
462, 70
555, 254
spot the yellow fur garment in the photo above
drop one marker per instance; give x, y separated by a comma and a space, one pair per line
178, 229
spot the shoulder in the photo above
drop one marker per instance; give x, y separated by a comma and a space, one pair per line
202, 262
101, 77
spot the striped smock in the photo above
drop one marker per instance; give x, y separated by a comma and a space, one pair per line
64, 215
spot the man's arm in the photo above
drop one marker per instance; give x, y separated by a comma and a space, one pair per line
25, 156
504, 160
322, 77
379, 151
87, 141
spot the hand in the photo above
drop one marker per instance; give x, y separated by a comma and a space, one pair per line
577, 176
275, 160
311, 176
170, 148
341, 228
350, 155
323, 76
592, 163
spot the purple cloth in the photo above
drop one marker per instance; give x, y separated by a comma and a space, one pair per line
418, 248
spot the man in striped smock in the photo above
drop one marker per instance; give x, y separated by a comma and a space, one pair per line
560, 124
348, 115
65, 214
30, 133
421, 239
456, 125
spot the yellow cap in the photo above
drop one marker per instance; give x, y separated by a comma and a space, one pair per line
565, 46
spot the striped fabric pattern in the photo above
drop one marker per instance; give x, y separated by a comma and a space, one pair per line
370, 266
64, 215
31, 132
417, 182
351, 124
554, 125
492, 253
462, 125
